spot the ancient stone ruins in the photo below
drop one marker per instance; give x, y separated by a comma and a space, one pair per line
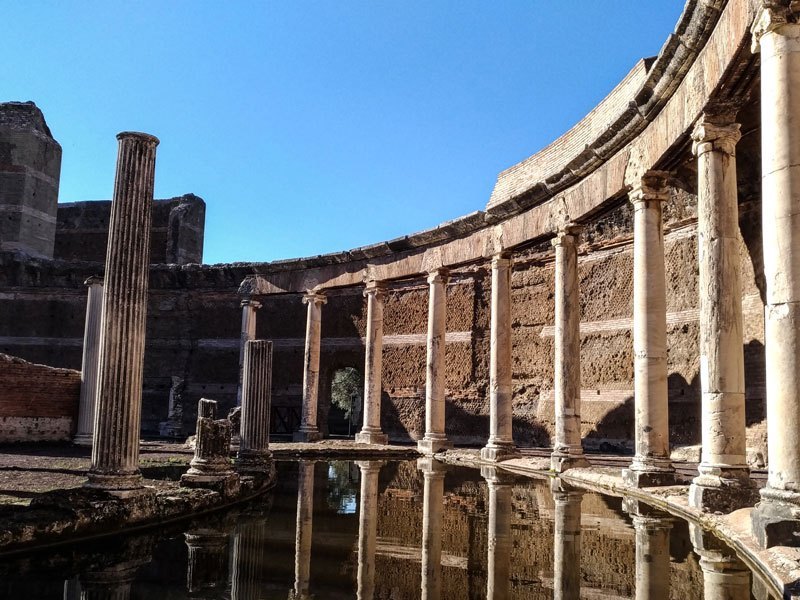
632, 287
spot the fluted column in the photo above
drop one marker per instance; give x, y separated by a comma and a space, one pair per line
501, 440
567, 541
115, 452
651, 465
776, 33
435, 439
90, 364
432, 522
371, 432
367, 527
303, 531
254, 454
725, 577
567, 448
250, 543
249, 308
723, 471
498, 585
308, 431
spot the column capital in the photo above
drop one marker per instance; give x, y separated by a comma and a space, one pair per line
438, 276
652, 187
502, 260
771, 15
314, 296
715, 132
254, 304
375, 288
93, 280
567, 235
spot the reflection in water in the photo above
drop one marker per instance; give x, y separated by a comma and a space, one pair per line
207, 572
725, 577
498, 586
252, 535
432, 515
303, 530
367, 527
652, 550
567, 541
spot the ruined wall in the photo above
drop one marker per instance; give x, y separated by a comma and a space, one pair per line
37, 403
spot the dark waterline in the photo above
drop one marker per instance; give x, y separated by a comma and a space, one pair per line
397, 530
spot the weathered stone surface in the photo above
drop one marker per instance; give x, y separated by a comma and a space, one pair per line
254, 454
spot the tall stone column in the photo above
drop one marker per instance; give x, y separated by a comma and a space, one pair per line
652, 529
651, 465
725, 577
776, 33
498, 585
432, 522
435, 439
501, 440
115, 452
91, 362
249, 308
723, 483
371, 432
308, 431
254, 453
367, 527
303, 531
567, 448
567, 541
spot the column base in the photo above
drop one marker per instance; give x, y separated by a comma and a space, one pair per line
254, 462
122, 486
563, 461
713, 493
497, 451
83, 439
649, 472
775, 521
307, 435
227, 485
366, 436
430, 446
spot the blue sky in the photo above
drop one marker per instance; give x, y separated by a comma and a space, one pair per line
308, 126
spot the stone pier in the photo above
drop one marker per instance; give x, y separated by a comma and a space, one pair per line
254, 454
651, 464
501, 441
652, 529
776, 34
367, 527
566, 541
725, 577
723, 483
211, 466
498, 570
308, 431
115, 452
567, 448
303, 531
435, 439
90, 364
371, 432
432, 523
249, 308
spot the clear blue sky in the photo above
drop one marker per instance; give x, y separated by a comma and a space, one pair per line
308, 126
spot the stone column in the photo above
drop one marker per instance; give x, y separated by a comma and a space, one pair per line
371, 432
308, 431
249, 308
725, 577
367, 527
567, 449
115, 452
776, 33
651, 465
567, 541
254, 453
91, 362
498, 585
435, 439
723, 481
652, 529
207, 570
432, 522
501, 440
303, 531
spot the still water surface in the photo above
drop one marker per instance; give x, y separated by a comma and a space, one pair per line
398, 530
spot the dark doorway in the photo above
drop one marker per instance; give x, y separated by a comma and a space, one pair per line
344, 418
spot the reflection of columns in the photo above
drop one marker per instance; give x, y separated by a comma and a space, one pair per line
498, 586
567, 540
208, 560
651, 465
367, 527
723, 467
249, 308
91, 362
115, 452
308, 431
432, 521
567, 449
249, 547
776, 33
254, 453
652, 550
725, 577
371, 432
303, 530
501, 441
435, 439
